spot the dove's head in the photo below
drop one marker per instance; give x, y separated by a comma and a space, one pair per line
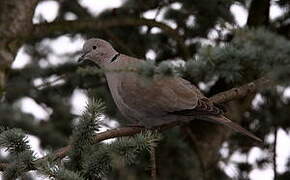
97, 52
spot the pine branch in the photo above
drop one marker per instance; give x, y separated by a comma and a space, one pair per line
222, 97
113, 133
240, 92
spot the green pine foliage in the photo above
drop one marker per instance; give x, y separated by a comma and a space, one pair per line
14, 141
251, 51
96, 161
21, 158
85, 130
64, 174
255, 51
86, 160
21, 163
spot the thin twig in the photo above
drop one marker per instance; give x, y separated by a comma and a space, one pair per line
153, 163
49, 83
195, 149
156, 15
275, 153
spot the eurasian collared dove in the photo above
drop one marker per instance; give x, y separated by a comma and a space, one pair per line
160, 101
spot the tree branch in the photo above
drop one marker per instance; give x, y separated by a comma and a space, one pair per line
244, 90
61, 27
222, 97
113, 133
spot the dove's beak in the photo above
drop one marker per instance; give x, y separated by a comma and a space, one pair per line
84, 61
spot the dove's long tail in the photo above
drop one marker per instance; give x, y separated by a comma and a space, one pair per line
225, 121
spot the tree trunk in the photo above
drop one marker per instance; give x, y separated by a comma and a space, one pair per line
15, 18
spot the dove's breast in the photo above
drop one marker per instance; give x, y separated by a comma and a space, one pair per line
113, 83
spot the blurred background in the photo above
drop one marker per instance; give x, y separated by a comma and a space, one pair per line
45, 91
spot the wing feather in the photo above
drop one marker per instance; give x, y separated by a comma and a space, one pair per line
159, 95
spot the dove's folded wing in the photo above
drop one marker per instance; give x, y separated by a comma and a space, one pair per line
159, 95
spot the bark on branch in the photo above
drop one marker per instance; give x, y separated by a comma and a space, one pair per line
46, 29
240, 92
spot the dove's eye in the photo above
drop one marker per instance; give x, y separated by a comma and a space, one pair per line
94, 47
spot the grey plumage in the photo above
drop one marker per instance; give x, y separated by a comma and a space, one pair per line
152, 103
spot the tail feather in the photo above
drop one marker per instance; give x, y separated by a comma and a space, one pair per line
234, 126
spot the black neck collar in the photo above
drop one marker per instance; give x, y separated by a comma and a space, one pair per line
115, 57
